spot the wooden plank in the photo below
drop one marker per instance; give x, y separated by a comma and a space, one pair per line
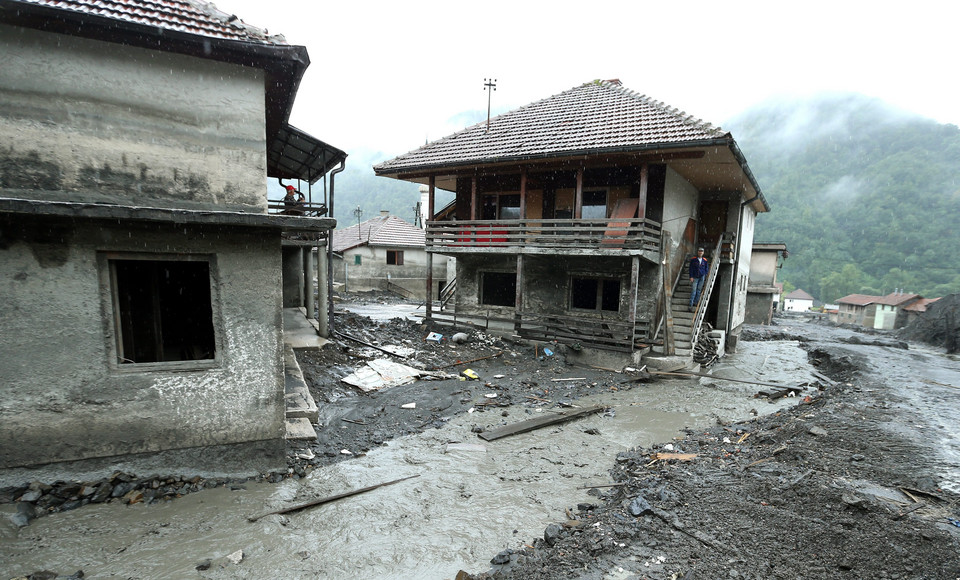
532, 424
616, 231
329, 499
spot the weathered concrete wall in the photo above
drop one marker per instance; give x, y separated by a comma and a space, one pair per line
763, 268
759, 308
63, 397
679, 205
373, 273
82, 120
546, 283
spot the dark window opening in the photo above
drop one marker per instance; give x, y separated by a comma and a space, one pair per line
163, 311
595, 294
594, 205
395, 257
357, 261
500, 207
498, 288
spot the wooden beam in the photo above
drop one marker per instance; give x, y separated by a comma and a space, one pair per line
578, 198
329, 499
531, 424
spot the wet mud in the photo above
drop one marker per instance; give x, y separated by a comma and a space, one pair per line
474, 502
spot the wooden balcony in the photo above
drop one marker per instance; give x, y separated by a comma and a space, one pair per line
611, 236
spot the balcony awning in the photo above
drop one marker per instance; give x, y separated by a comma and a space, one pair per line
297, 155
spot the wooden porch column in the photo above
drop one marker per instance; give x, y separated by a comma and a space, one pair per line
644, 181
519, 301
428, 301
523, 193
473, 198
578, 199
634, 283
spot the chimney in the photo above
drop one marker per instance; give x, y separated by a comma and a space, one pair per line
384, 213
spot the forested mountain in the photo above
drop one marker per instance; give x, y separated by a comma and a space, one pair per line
865, 196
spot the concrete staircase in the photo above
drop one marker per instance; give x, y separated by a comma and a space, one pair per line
682, 317
302, 412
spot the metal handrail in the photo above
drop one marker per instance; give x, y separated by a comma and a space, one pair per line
701, 309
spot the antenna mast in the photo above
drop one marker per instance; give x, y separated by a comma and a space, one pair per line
489, 85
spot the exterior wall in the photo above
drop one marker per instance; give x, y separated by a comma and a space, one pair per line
679, 205
546, 287
759, 308
82, 120
763, 268
64, 398
794, 305
850, 314
885, 317
744, 253
373, 273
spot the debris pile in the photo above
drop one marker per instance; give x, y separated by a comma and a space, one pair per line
938, 326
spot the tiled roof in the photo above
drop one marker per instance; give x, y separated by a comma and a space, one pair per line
858, 299
388, 231
921, 304
593, 117
897, 298
190, 16
798, 295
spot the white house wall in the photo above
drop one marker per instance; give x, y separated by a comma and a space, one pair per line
744, 253
680, 200
83, 120
374, 273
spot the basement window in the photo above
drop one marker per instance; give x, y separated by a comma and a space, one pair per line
395, 257
595, 294
162, 310
498, 288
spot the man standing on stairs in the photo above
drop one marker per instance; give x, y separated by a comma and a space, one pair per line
699, 268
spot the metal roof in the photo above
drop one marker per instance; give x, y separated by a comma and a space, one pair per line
297, 155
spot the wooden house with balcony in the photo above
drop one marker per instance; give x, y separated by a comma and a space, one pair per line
574, 217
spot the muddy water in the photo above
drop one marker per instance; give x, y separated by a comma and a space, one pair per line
466, 505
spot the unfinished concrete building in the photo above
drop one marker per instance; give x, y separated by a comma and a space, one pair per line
141, 264
575, 216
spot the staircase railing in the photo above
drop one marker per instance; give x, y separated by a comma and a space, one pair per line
448, 292
701, 309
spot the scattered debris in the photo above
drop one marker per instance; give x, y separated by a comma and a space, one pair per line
531, 424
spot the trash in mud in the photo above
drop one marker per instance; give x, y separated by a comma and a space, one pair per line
381, 374
470, 374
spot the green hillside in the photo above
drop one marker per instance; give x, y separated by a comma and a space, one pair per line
865, 196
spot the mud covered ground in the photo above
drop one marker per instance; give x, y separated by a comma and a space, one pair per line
856, 478
854, 482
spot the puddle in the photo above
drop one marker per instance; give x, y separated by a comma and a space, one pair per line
465, 506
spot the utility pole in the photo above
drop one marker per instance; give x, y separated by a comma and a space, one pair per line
358, 212
489, 85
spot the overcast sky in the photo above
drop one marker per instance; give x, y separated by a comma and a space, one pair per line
386, 76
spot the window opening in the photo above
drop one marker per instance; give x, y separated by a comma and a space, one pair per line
163, 311
395, 257
595, 294
356, 260
500, 206
594, 205
498, 288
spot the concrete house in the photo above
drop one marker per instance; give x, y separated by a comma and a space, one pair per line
385, 253
878, 312
140, 265
575, 216
797, 301
763, 291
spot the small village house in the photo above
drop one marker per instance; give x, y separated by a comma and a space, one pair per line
575, 216
878, 312
143, 269
763, 291
385, 253
797, 301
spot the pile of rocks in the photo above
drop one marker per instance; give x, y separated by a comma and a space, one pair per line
39, 498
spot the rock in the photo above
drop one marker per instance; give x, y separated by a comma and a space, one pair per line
639, 506
26, 513
551, 534
31, 496
857, 457
817, 430
204, 565
133, 496
501, 558
459, 337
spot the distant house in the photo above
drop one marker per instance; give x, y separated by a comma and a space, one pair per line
879, 312
141, 264
575, 216
763, 291
385, 253
797, 301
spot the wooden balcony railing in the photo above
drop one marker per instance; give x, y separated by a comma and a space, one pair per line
595, 234
303, 209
